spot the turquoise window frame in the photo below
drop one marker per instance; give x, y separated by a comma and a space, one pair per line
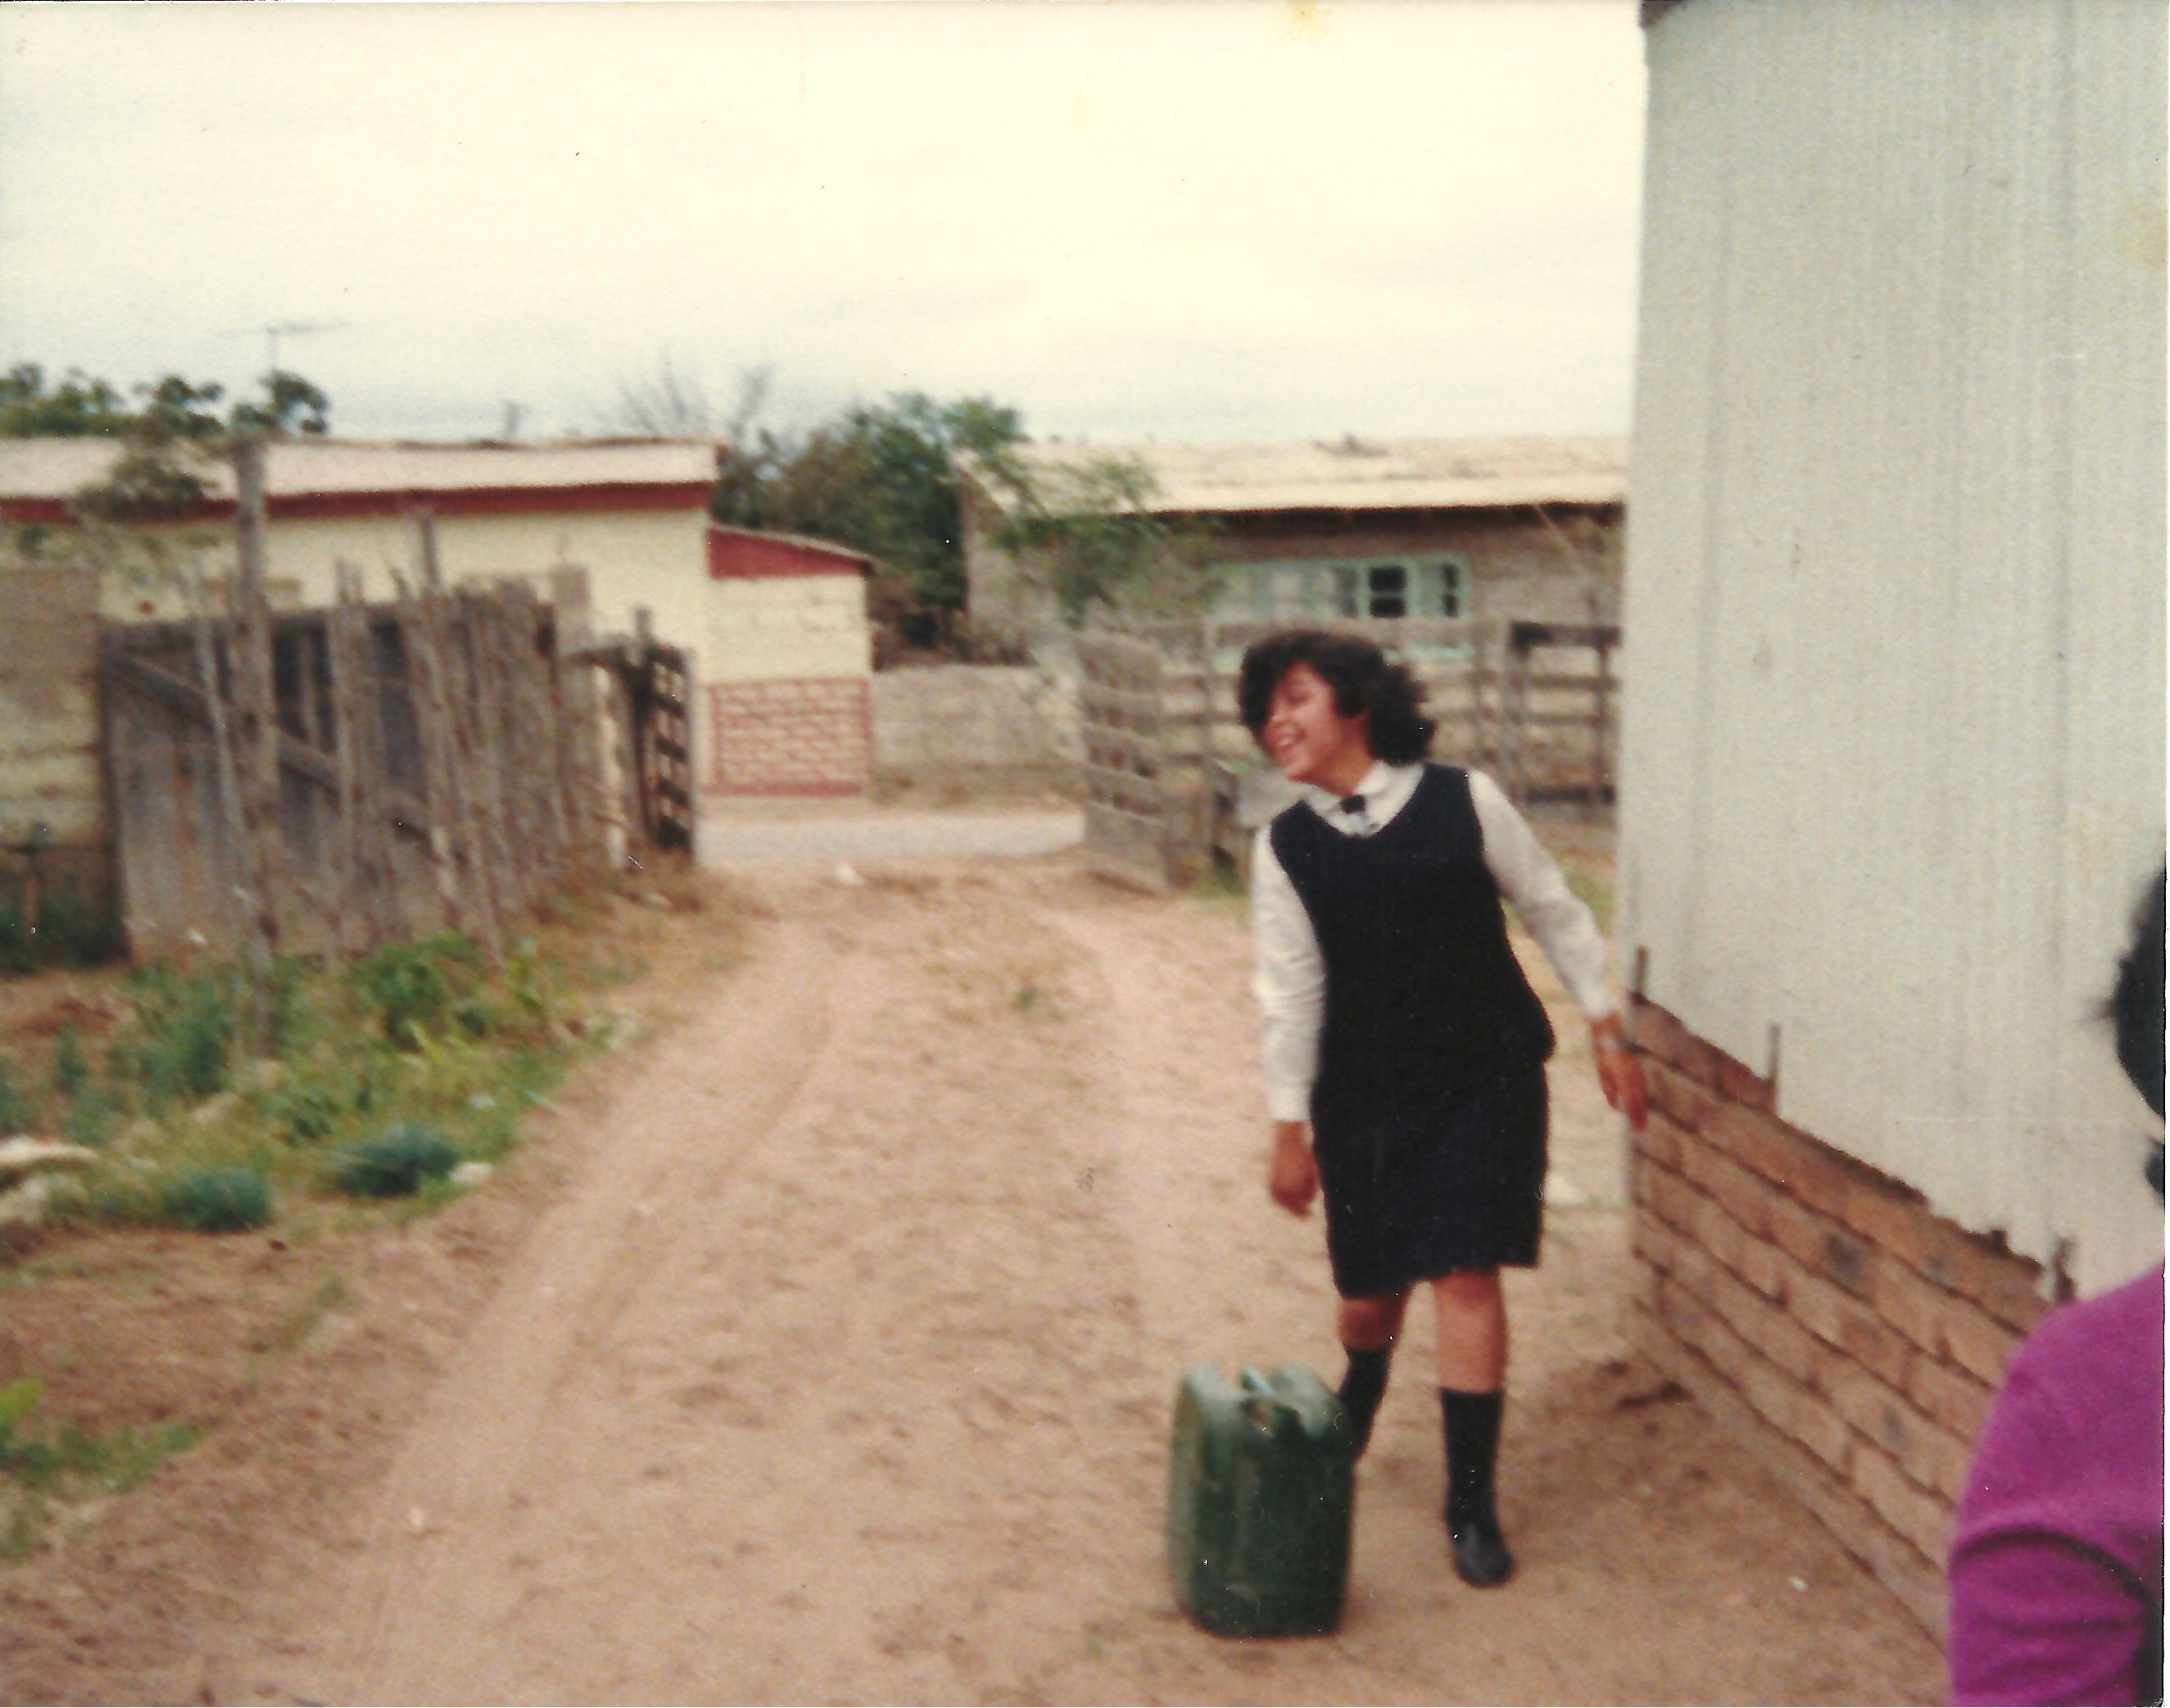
1437, 585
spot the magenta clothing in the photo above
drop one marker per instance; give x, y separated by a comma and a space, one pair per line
2060, 1532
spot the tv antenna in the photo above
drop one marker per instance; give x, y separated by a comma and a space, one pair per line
274, 330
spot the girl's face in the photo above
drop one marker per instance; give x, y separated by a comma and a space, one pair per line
1307, 736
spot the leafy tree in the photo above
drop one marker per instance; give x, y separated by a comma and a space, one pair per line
76, 407
173, 409
168, 438
291, 405
883, 478
1086, 534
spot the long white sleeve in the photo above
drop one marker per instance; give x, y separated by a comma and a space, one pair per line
1534, 886
1289, 983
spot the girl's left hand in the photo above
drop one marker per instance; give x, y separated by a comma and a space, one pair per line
1618, 1072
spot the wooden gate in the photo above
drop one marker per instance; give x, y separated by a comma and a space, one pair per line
1168, 766
1126, 809
659, 698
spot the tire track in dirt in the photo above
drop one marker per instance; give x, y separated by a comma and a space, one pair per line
843, 1373
486, 1444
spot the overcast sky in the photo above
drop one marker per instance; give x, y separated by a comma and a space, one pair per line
1250, 220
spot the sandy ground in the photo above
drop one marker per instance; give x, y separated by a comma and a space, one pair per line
824, 1349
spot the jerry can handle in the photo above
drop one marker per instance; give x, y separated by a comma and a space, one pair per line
1265, 1407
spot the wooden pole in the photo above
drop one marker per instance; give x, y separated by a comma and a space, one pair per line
257, 749
1601, 728
580, 722
427, 673
484, 718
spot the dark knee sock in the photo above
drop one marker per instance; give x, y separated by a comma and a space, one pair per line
1473, 1446
1364, 1386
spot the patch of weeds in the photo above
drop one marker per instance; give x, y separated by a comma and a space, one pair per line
396, 1163
71, 1464
306, 1112
414, 988
218, 1200
186, 1028
18, 1110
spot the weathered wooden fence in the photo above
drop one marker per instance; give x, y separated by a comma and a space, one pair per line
445, 759
1168, 767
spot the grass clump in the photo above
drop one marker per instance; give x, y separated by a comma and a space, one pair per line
68, 1464
217, 1200
309, 1111
185, 1030
397, 1163
416, 989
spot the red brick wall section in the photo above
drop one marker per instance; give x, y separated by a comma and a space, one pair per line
1817, 1307
792, 738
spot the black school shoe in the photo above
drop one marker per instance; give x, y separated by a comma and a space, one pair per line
1481, 1558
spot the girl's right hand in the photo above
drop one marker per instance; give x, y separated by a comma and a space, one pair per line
1292, 1177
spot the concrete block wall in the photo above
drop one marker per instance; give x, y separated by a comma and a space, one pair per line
51, 771
789, 738
807, 628
1817, 1308
974, 722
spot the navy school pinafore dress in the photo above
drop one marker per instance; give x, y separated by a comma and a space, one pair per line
1428, 1115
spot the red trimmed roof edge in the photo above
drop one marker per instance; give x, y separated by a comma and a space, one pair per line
502, 501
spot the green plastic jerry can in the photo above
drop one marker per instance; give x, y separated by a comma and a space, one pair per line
1260, 1496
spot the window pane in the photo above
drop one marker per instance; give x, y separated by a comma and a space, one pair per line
1389, 587
1450, 588
1344, 589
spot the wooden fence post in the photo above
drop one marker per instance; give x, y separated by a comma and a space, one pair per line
1600, 733
257, 749
580, 758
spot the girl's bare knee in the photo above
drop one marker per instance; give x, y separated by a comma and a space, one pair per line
1367, 1323
1467, 1290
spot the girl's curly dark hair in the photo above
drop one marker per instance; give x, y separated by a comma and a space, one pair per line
1362, 678
2135, 1005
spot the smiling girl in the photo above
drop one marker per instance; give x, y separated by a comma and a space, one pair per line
1405, 1051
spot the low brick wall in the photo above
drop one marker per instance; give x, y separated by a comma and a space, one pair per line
789, 738
1817, 1308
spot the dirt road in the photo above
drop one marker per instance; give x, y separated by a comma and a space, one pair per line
833, 1356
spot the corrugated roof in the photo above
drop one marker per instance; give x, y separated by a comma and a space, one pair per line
55, 468
1369, 474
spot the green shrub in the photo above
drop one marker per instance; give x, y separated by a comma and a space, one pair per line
218, 1200
396, 1163
414, 987
307, 1111
187, 1032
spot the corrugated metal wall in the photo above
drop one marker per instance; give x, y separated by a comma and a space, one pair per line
1894, 734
